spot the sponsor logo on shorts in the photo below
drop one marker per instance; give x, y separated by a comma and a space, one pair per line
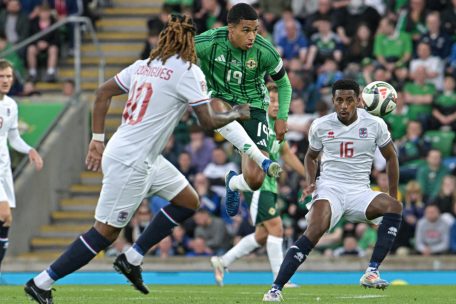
272, 211
122, 217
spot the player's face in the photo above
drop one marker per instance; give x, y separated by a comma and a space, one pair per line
6, 80
243, 34
345, 104
273, 108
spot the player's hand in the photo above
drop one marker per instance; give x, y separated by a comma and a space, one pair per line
243, 111
35, 159
93, 159
280, 128
307, 191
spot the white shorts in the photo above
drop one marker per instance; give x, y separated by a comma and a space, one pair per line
7, 189
351, 202
124, 188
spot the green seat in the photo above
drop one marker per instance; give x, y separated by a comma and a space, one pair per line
442, 141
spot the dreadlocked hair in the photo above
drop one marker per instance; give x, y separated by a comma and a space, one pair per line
176, 39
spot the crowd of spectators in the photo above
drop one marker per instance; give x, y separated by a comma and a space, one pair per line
410, 44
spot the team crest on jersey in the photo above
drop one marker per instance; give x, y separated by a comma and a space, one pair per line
251, 64
362, 132
331, 134
8, 111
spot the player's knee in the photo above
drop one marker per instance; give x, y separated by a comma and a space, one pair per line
395, 207
5, 216
254, 181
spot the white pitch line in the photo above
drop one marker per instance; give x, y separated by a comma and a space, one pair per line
362, 297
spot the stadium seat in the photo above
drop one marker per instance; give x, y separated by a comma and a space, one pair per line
441, 140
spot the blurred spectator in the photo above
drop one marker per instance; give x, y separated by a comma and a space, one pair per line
30, 7
215, 171
209, 199
360, 46
447, 195
448, 19
68, 88
349, 18
332, 239
419, 95
400, 78
212, 230
293, 44
391, 48
164, 249
150, 43
324, 44
413, 19
199, 248
263, 32
280, 27
430, 175
13, 58
432, 64
172, 150
14, 23
200, 148
453, 238
324, 11
328, 74
382, 185
398, 119
413, 148
156, 203
439, 41
444, 106
432, 233
366, 234
180, 241
350, 248
186, 124
138, 222
29, 89
451, 67
119, 246
186, 166
211, 15
298, 121
178, 5
47, 45
271, 10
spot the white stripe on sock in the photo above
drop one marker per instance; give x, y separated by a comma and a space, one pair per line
88, 246
169, 217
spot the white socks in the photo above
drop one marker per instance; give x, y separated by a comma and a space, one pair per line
134, 257
43, 280
246, 245
238, 183
275, 253
235, 134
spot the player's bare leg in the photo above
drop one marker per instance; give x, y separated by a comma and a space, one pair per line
319, 222
391, 210
182, 206
78, 254
5, 223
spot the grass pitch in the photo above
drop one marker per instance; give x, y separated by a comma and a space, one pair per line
196, 294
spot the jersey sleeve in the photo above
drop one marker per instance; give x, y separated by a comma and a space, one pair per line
202, 44
383, 135
123, 78
272, 61
314, 141
192, 87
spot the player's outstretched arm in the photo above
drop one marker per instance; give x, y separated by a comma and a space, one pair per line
18, 144
392, 168
311, 165
284, 91
213, 120
292, 160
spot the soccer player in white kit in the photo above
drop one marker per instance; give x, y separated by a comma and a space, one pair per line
159, 92
348, 139
9, 133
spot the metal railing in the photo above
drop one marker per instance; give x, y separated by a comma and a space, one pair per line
77, 21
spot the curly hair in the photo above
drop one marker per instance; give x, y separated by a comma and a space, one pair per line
177, 38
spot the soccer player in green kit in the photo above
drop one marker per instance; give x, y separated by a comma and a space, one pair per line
235, 61
263, 210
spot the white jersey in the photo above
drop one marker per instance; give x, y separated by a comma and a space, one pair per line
8, 122
158, 95
348, 151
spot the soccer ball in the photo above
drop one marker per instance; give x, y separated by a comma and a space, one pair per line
379, 98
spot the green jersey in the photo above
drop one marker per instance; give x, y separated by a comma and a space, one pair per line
235, 75
275, 148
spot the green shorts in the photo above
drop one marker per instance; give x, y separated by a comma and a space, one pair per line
262, 205
257, 127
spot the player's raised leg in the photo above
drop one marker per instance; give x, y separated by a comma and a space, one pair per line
319, 220
183, 206
391, 210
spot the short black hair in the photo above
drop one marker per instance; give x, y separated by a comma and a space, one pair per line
345, 84
241, 11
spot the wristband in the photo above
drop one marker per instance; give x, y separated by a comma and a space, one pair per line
98, 137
